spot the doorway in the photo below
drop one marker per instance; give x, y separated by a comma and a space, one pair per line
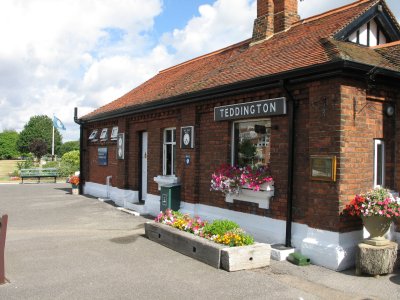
143, 166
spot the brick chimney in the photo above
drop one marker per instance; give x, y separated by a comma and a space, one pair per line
264, 24
273, 16
285, 14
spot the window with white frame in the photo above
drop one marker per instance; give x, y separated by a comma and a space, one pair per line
169, 151
379, 163
251, 143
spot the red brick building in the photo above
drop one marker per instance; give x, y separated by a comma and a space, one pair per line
317, 99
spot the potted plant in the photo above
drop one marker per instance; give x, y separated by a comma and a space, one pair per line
377, 208
74, 181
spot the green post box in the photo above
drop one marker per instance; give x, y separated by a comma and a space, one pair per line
170, 197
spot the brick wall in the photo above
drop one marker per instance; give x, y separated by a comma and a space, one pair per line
330, 119
363, 119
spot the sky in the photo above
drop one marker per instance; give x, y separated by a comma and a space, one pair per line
61, 54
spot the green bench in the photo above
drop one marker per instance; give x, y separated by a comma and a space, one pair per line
39, 173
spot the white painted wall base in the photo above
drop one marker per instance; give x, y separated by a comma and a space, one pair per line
119, 196
124, 198
332, 250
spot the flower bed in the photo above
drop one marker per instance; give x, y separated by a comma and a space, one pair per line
220, 231
207, 242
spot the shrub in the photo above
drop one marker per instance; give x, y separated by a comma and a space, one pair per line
26, 164
220, 227
69, 163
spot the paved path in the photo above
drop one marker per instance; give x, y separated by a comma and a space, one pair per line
61, 246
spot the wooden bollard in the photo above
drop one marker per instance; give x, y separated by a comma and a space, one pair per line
3, 233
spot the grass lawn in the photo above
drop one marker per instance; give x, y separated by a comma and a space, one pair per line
7, 166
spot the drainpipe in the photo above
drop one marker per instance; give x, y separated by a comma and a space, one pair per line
291, 133
80, 123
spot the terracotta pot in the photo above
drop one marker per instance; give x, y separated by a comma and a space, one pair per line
377, 226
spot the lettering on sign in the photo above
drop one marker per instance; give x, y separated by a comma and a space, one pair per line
262, 108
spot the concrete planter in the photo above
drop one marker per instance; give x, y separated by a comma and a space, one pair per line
213, 254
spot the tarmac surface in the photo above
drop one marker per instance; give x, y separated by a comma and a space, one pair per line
61, 246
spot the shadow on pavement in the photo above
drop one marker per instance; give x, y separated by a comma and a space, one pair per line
125, 239
395, 279
66, 190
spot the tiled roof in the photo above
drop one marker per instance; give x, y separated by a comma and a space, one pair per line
308, 42
390, 52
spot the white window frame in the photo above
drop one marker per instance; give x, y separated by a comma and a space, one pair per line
165, 143
378, 142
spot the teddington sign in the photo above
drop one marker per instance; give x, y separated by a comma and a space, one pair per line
262, 108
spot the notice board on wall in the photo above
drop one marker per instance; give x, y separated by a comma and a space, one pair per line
102, 156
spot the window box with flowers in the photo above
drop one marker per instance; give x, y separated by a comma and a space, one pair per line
250, 184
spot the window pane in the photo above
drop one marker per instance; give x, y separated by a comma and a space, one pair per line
379, 168
169, 159
173, 135
168, 136
173, 159
252, 143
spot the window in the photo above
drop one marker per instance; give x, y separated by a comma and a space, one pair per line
92, 136
114, 133
379, 163
251, 140
169, 151
103, 135
369, 34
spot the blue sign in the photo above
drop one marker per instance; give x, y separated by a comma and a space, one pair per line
187, 159
102, 156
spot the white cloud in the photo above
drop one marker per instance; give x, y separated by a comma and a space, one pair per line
50, 45
218, 25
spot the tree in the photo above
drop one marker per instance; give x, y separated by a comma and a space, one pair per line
69, 146
38, 147
8, 144
39, 127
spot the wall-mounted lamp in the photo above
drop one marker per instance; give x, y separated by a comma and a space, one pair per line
389, 110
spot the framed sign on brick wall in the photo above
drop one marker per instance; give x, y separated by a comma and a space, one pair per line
323, 167
187, 137
102, 156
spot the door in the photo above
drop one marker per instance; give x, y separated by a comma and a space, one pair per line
144, 166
